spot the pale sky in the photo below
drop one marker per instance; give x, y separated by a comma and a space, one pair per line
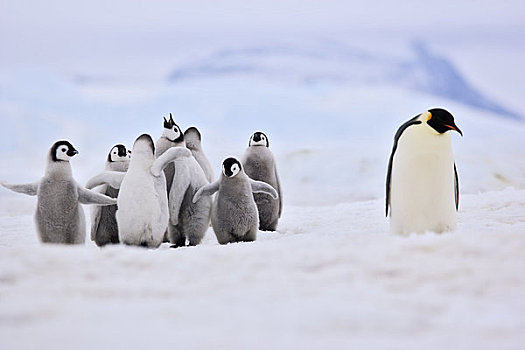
62, 30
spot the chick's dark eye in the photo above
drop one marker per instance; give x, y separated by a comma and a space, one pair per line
63, 149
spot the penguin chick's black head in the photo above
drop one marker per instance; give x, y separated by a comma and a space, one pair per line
62, 150
168, 123
231, 167
259, 139
442, 121
172, 131
117, 150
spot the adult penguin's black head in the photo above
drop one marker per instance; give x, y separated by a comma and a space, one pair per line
231, 167
442, 121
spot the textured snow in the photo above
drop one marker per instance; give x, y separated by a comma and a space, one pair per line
329, 83
331, 277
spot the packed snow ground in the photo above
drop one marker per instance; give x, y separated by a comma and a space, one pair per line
330, 277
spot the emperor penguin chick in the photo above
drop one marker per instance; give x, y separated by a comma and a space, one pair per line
188, 220
234, 216
422, 188
59, 218
142, 214
172, 136
104, 228
192, 137
259, 164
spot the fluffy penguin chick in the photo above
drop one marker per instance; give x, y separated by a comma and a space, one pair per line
192, 137
259, 164
188, 220
104, 228
422, 184
234, 216
142, 214
172, 136
59, 218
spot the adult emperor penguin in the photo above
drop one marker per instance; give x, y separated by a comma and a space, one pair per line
142, 214
192, 137
259, 164
422, 188
172, 136
59, 218
104, 228
234, 216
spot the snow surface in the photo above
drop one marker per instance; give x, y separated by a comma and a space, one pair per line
329, 82
331, 277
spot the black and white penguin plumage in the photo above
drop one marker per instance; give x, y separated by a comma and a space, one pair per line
422, 190
234, 215
59, 218
259, 164
192, 137
142, 214
188, 221
104, 228
172, 136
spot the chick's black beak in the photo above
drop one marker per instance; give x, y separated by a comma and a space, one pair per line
71, 153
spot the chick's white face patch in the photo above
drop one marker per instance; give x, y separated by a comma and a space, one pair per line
258, 139
261, 142
173, 133
232, 170
61, 153
116, 157
235, 169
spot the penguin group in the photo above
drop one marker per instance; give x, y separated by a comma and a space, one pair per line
158, 192
165, 191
